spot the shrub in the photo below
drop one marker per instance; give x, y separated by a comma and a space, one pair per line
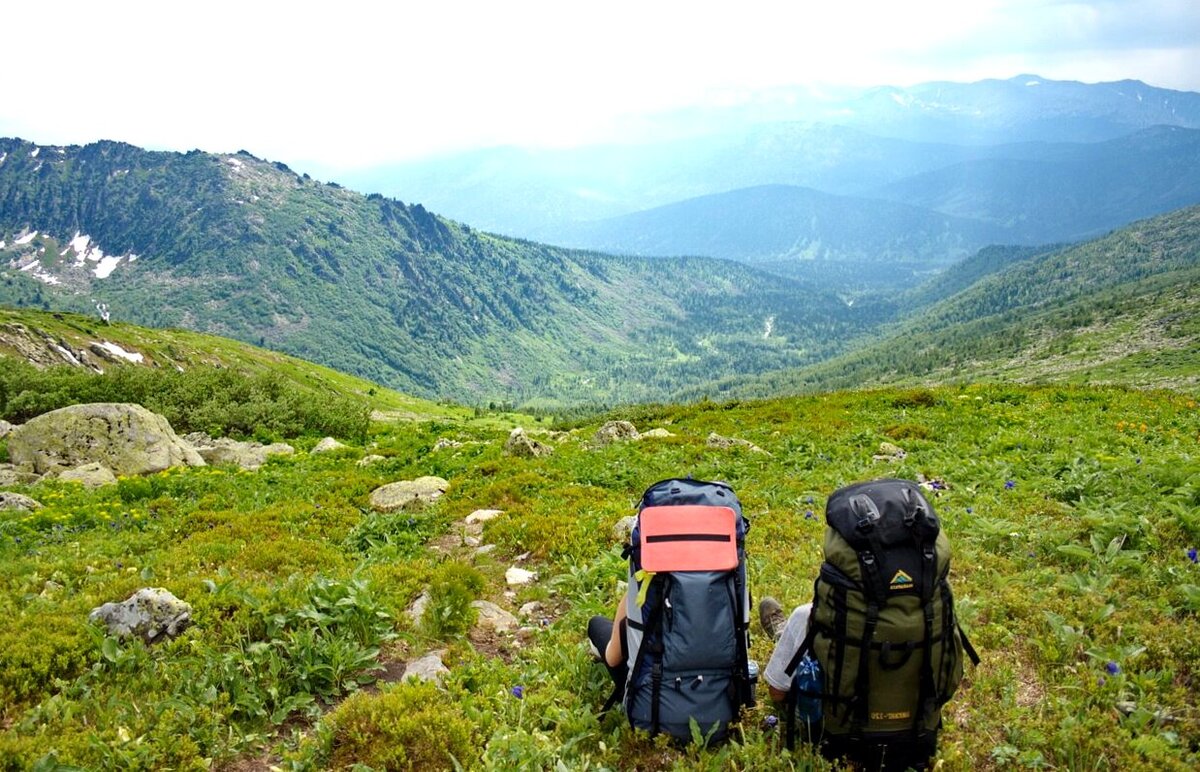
413, 726
453, 587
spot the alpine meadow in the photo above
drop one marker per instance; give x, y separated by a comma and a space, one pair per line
297, 475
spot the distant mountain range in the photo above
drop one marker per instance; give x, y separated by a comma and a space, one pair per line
1024, 161
237, 246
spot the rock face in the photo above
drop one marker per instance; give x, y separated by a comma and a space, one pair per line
616, 431
91, 475
523, 446
150, 613
408, 494
127, 439
15, 501
5, 429
247, 455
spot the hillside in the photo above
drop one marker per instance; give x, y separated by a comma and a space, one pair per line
1119, 309
237, 246
48, 339
1072, 513
789, 224
1044, 193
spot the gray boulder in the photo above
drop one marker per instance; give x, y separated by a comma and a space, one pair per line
5, 429
725, 443
127, 439
616, 431
522, 445
373, 458
246, 455
327, 445
408, 494
91, 475
150, 614
446, 442
657, 433
10, 475
15, 501
427, 668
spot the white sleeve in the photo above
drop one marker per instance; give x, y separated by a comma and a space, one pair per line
789, 642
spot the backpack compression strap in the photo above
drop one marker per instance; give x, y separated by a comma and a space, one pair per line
793, 697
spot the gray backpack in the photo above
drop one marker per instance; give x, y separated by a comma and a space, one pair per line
688, 611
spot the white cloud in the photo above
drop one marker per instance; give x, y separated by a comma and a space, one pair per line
361, 82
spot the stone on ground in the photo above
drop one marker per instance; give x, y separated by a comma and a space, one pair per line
428, 668
327, 445
408, 494
516, 576
89, 475
18, 502
493, 617
521, 445
616, 431
150, 614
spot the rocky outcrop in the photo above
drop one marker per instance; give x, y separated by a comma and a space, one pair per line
151, 614
408, 494
5, 429
10, 475
615, 431
127, 439
521, 445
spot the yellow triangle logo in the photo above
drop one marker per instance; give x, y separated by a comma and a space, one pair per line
900, 580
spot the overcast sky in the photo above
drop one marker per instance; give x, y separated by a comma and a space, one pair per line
348, 83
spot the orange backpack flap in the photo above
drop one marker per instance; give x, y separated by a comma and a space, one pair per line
688, 538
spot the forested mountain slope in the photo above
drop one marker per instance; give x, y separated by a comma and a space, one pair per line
241, 247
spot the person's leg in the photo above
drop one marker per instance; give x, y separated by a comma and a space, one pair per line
600, 633
778, 682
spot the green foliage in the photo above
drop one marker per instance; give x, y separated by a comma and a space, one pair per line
452, 589
208, 399
409, 727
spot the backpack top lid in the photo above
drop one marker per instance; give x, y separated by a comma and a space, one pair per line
689, 537
882, 512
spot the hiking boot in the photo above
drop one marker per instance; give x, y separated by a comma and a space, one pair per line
771, 617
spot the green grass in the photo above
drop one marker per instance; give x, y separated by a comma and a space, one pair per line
299, 589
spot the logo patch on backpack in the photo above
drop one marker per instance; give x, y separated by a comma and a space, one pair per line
900, 581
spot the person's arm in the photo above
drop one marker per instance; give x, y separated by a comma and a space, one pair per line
612, 653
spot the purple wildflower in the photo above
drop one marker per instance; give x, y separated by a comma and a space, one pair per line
808, 515
1112, 667
808, 500
970, 510
1010, 484
772, 721
518, 692
1193, 555
1101, 681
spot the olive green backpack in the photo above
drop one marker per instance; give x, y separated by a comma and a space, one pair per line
883, 627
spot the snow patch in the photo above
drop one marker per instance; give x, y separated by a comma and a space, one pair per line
3, 156
2, 245
106, 266
35, 152
80, 243
1139, 96
26, 238
115, 350
67, 355
901, 99
1033, 83
87, 250
769, 327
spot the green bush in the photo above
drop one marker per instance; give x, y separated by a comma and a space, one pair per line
412, 726
452, 589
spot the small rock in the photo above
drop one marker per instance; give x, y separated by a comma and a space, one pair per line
521, 445
10, 475
428, 668
890, 452
518, 576
624, 528
615, 431
91, 475
371, 459
327, 445
408, 494
483, 515
5, 428
446, 442
491, 615
523, 556
657, 433
509, 594
51, 588
417, 609
15, 501
149, 613
724, 443
530, 608
471, 541
484, 549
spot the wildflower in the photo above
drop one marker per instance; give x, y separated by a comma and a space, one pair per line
970, 510
1112, 667
772, 721
518, 692
808, 515
808, 499
1010, 484
1193, 555
1138, 460
1101, 681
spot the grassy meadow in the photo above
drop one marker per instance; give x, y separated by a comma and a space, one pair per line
1074, 513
